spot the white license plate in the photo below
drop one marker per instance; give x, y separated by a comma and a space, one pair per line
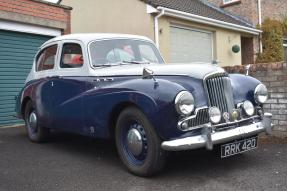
238, 147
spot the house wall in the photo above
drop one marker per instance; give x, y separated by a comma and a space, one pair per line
110, 16
223, 40
248, 9
37, 13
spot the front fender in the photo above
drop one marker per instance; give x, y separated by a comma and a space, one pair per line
243, 87
154, 98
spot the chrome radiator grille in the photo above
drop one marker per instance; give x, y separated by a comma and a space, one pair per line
220, 93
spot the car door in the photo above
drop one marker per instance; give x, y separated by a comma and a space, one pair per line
68, 87
45, 69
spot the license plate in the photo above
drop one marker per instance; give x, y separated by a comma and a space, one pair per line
238, 147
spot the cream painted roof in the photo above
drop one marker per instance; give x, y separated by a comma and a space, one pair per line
88, 37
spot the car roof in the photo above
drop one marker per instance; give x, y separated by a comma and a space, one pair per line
88, 37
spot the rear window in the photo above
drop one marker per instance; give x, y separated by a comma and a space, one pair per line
72, 56
46, 58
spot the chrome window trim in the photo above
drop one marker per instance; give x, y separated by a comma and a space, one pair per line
120, 38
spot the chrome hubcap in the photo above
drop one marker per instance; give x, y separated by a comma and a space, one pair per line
135, 143
33, 120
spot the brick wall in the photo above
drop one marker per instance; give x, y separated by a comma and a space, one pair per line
37, 9
248, 9
274, 9
245, 9
274, 76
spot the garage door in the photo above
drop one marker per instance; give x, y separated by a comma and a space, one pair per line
188, 45
16, 57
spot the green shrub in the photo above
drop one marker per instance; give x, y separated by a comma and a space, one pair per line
272, 40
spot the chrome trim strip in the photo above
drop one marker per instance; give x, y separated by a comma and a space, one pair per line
208, 138
213, 126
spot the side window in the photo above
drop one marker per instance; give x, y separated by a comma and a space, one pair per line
72, 56
46, 59
147, 53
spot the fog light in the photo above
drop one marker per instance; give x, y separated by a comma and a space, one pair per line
234, 115
214, 115
248, 108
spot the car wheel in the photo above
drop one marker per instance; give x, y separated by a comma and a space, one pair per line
34, 131
138, 144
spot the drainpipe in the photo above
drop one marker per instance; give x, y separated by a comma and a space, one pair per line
260, 24
156, 32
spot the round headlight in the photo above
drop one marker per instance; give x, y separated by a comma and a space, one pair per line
248, 108
214, 115
184, 103
260, 93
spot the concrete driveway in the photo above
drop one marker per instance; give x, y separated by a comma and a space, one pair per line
71, 162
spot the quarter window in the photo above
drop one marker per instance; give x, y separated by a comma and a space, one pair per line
46, 59
72, 56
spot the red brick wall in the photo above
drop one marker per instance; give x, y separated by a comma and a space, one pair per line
274, 76
274, 9
248, 9
37, 9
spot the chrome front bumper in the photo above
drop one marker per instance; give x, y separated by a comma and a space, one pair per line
209, 137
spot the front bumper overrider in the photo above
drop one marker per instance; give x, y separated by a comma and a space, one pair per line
209, 137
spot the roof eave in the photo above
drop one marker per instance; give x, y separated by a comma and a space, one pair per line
208, 21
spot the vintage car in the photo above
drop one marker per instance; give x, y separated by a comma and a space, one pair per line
117, 86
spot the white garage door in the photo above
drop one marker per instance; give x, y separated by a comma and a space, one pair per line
189, 45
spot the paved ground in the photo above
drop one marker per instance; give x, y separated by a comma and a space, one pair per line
72, 162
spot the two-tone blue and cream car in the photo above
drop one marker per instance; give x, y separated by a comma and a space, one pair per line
118, 87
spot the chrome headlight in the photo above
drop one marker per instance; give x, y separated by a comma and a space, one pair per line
260, 93
214, 115
248, 108
184, 103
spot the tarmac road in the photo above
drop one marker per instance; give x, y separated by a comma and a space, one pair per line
70, 162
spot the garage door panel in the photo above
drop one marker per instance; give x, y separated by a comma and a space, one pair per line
17, 70
17, 51
4, 42
22, 36
13, 51
190, 46
17, 47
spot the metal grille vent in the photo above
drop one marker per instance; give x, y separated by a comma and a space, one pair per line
201, 118
220, 93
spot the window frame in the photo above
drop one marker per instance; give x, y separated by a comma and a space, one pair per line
41, 51
62, 54
105, 39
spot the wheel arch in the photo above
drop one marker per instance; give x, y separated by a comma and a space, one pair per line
115, 114
23, 105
